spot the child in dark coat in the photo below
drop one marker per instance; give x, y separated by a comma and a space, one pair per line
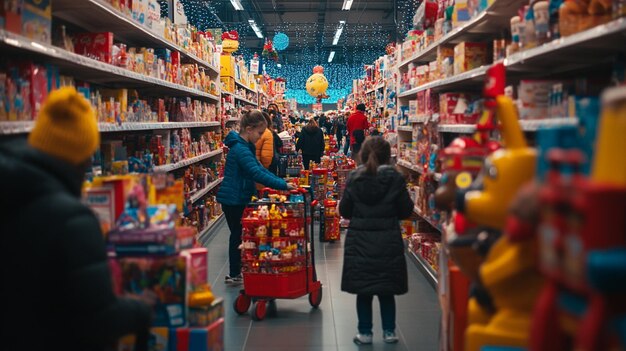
375, 200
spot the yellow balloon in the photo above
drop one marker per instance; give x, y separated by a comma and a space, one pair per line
316, 85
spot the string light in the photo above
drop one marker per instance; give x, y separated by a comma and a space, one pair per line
361, 44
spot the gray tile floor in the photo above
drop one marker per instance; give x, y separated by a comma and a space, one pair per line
296, 326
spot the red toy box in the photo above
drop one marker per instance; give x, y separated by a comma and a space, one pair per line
98, 46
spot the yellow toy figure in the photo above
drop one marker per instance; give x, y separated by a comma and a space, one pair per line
276, 220
508, 274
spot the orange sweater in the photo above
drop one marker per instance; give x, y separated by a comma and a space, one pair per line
265, 148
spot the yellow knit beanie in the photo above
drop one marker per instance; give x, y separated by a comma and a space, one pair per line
66, 127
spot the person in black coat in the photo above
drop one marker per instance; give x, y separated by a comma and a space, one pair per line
375, 199
311, 142
57, 285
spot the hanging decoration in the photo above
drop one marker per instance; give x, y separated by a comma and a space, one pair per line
317, 84
269, 52
281, 41
230, 41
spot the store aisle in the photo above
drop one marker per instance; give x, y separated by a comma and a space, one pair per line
296, 326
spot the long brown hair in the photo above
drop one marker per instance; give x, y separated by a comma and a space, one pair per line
252, 118
375, 152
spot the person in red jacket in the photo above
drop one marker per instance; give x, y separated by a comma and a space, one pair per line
357, 122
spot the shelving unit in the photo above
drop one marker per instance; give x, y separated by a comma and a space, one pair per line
95, 71
187, 162
20, 127
430, 222
99, 16
199, 194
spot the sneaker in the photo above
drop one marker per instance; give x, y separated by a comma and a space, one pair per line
233, 280
390, 337
362, 339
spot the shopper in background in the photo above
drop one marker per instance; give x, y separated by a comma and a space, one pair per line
277, 118
375, 199
311, 143
322, 122
357, 125
339, 129
278, 144
57, 283
346, 147
242, 170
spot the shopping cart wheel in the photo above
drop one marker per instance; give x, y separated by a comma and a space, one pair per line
260, 310
315, 298
242, 303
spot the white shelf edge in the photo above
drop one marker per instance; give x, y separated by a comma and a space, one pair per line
405, 128
232, 120
21, 127
245, 100
471, 74
245, 86
24, 43
417, 212
596, 32
197, 196
428, 271
208, 228
145, 30
456, 128
409, 165
531, 125
187, 162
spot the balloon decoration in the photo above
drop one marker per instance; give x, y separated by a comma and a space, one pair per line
317, 84
281, 41
268, 50
230, 41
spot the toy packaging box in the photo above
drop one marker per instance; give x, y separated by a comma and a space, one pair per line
468, 56
37, 20
162, 278
98, 46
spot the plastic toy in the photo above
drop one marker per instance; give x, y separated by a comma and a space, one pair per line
583, 244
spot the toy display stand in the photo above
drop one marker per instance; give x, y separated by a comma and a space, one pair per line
287, 277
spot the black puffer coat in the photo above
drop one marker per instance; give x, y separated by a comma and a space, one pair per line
374, 262
57, 284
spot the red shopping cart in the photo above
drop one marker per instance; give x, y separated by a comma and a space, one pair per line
278, 260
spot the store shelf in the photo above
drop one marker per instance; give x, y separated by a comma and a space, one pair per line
95, 71
375, 88
586, 47
245, 100
456, 128
536, 124
232, 120
100, 16
463, 80
198, 195
410, 166
26, 126
240, 83
205, 234
187, 162
432, 224
492, 20
428, 271
405, 128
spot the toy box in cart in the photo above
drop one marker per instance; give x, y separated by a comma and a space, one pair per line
276, 253
329, 221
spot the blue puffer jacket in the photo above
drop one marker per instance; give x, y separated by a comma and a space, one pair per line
242, 171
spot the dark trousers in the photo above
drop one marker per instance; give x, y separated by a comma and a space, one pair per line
308, 158
339, 140
387, 312
233, 218
346, 147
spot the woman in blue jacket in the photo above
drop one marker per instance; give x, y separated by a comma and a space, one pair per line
241, 172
